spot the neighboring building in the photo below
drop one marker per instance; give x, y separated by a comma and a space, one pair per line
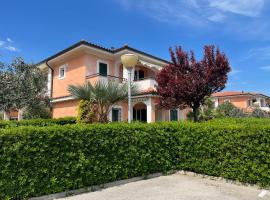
243, 100
85, 61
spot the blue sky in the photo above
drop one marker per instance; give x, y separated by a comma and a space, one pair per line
241, 28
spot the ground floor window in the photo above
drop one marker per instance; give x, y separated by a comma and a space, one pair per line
116, 114
174, 115
140, 115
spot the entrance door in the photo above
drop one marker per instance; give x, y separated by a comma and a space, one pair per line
140, 112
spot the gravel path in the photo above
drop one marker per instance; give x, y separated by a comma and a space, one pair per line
176, 187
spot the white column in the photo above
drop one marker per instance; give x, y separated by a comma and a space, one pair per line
125, 74
20, 114
216, 102
6, 116
49, 83
129, 96
149, 109
259, 102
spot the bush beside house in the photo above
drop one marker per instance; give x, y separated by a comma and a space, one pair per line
38, 122
37, 161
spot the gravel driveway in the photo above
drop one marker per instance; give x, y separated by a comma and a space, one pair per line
176, 187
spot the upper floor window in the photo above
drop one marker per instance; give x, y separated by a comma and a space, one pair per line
103, 69
138, 75
62, 72
174, 115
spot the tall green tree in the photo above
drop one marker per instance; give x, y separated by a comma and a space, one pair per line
20, 84
101, 95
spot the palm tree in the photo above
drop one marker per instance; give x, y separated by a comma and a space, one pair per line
102, 95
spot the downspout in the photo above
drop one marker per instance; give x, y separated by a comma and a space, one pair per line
51, 77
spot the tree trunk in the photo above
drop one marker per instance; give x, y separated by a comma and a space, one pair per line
196, 113
6, 115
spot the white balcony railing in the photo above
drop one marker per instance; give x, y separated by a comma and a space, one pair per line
145, 83
265, 108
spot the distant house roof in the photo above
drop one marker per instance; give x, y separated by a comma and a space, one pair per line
235, 93
111, 50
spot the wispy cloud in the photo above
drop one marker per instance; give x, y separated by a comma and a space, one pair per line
7, 45
12, 48
250, 8
267, 68
9, 40
224, 16
234, 72
262, 53
195, 12
2, 43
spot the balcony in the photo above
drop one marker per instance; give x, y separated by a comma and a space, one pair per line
141, 84
145, 83
93, 78
265, 108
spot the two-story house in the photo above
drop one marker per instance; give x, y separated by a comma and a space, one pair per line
243, 100
85, 61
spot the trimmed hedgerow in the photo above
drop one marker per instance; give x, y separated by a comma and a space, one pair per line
38, 122
37, 161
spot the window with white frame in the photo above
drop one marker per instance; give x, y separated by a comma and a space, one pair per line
103, 68
116, 114
138, 75
227, 100
62, 72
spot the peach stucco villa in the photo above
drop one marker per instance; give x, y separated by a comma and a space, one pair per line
243, 100
85, 61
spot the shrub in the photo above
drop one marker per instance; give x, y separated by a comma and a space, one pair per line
37, 161
227, 109
259, 113
38, 109
87, 112
38, 122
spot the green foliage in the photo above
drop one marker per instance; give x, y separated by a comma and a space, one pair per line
21, 84
206, 111
1, 116
259, 113
102, 96
87, 112
42, 160
38, 122
227, 109
38, 109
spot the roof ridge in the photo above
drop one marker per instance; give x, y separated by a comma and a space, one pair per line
113, 51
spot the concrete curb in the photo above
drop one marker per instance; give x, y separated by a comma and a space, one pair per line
95, 187
122, 182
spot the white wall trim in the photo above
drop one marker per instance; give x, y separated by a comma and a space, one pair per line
117, 68
63, 99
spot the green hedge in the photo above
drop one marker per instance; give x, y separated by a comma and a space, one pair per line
240, 121
36, 161
38, 122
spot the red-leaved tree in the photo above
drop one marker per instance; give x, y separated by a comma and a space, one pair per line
185, 82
